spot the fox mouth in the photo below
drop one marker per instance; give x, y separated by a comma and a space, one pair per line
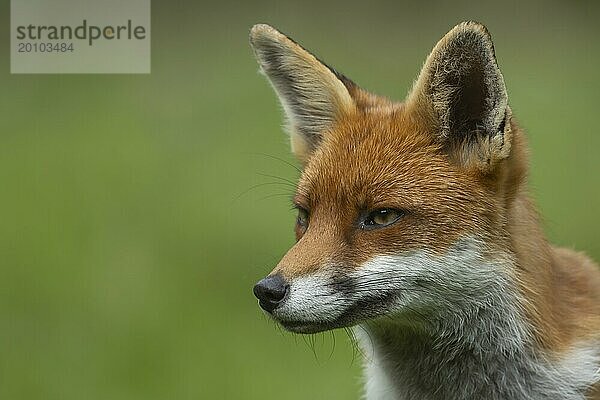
314, 303
306, 327
353, 314
347, 313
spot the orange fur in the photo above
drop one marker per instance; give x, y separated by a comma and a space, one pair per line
562, 287
379, 154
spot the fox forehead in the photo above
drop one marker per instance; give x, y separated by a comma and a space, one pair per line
382, 159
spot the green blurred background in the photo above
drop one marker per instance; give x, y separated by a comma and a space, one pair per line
134, 222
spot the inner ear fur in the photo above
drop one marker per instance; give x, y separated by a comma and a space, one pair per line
461, 93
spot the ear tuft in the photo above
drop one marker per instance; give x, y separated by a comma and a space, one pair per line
312, 95
462, 92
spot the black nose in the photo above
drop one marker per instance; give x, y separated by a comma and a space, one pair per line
271, 291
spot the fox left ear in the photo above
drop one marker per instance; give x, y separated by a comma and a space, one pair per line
461, 94
312, 94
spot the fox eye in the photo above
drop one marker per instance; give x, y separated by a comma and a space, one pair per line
382, 217
302, 219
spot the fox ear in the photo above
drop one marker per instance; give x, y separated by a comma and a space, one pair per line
312, 95
461, 92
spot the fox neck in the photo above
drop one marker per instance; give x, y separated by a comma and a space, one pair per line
408, 353
408, 364
480, 345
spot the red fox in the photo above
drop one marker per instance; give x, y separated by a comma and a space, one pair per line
414, 222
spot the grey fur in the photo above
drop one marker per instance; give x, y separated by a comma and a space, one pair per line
466, 337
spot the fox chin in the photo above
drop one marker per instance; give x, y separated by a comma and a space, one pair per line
414, 222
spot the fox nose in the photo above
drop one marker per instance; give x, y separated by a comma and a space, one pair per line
271, 291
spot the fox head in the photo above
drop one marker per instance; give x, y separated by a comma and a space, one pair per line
402, 206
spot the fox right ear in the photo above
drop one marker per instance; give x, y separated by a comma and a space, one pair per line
312, 95
461, 93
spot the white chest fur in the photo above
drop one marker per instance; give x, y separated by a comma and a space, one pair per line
470, 343
414, 371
